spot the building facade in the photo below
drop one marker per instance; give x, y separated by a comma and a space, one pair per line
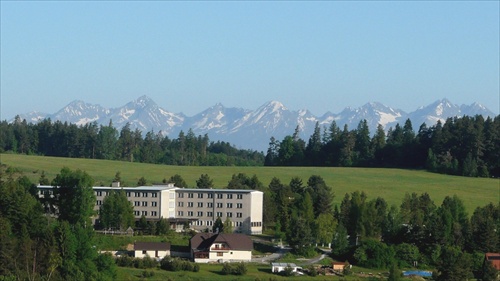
198, 207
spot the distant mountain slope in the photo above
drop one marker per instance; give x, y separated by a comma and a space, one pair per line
251, 129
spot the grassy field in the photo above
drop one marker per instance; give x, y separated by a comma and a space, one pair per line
210, 272
391, 184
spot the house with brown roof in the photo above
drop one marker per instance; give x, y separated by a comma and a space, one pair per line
494, 259
151, 249
220, 247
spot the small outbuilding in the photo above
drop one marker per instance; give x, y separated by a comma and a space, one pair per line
338, 266
281, 266
151, 249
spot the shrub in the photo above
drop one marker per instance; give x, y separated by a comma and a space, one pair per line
312, 271
240, 269
176, 264
227, 269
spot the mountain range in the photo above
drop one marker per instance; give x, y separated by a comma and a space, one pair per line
251, 129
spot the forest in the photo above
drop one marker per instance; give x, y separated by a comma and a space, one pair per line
366, 232
106, 142
465, 146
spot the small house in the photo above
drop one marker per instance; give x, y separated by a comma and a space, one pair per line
221, 247
338, 266
281, 266
151, 249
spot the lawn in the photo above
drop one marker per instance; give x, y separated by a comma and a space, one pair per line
390, 184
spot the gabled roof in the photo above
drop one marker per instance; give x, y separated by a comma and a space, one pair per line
151, 246
494, 258
235, 241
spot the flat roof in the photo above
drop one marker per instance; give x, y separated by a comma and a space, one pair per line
161, 188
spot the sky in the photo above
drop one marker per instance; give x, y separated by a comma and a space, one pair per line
188, 56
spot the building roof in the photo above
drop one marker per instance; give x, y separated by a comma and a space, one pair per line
165, 187
494, 258
283, 264
218, 190
152, 246
235, 241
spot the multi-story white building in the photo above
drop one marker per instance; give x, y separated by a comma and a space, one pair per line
199, 207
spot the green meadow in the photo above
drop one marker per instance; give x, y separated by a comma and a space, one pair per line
390, 184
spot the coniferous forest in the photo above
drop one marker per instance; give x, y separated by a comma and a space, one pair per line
466, 146
106, 142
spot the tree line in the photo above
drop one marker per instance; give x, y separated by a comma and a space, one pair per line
467, 146
106, 142
35, 246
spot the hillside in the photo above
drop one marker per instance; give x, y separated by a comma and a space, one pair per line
391, 184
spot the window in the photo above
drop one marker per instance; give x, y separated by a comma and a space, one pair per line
210, 195
190, 204
180, 204
239, 205
144, 194
200, 214
229, 205
154, 204
240, 196
154, 194
137, 194
144, 252
128, 194
190, 195
137, 203
239, 215
239, 223
154, 213
219, 196
190, 213
200, 204
229, 196
144, 203
220, 254
210, 223
200, 195
210, 205
99, 193
144, 213
229, 214
180, 195
136, 213
219, 205
180, 213
219, 214
210, 214
99, 203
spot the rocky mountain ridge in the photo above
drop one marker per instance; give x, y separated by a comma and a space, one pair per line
251, 129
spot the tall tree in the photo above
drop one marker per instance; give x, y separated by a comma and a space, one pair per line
116, 211
75, 198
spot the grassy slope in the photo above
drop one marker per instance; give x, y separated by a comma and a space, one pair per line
391, 184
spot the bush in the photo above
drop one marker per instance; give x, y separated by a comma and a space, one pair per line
234, 269
227, 269
312, 271
147, 274
176, 264
288, 271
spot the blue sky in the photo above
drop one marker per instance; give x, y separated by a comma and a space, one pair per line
188, 56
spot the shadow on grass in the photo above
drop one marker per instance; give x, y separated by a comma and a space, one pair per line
218, 272
265, 270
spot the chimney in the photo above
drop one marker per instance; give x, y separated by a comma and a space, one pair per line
115, 184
